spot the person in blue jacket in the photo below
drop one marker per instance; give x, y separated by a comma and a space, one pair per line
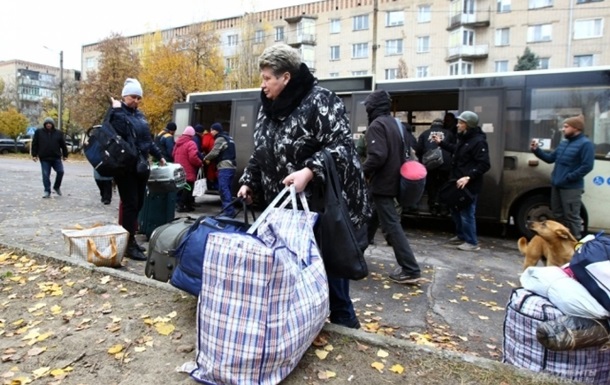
573, 158
129, 121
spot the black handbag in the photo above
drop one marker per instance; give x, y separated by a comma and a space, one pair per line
454, 197
142, 166
433, 158
108, 152
341, 245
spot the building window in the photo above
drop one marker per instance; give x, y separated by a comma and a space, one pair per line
335, 53
259, 36
359, 73
583, 60
360, 50
533, 4
423, 14
460, 68
279, 33
422, 72
503, 6
393, 47
394, 18
391, 73
538, 33
587, 1
232, 40
544, 63
502, 66
586, 29
335, 25
333, 75
230, 64
461, 37
423, 44
90, 63
361, 22
502, 36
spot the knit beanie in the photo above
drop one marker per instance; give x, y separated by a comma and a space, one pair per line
217, 127
578, 122
199, 129
132, 87
171, 126
189, 131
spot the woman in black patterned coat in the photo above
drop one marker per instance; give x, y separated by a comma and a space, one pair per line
297, 119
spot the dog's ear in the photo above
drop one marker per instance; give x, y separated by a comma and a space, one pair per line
565, 234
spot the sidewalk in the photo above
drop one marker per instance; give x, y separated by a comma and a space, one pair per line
459, 308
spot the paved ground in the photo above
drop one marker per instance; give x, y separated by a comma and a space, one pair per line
460, 306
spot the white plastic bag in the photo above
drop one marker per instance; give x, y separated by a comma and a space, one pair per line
201, 185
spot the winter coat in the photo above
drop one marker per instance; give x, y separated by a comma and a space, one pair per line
470, 158
131, 123
291, 130
165, 142
425, 143
385, 148
573, 159
49, 145
186, 154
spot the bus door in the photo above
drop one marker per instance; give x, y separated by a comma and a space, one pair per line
488, 104
182, 116
243, 121
356, 112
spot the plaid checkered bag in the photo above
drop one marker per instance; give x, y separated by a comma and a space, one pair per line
524, 312
263, 300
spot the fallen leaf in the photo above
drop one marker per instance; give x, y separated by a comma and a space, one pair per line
322, 354
164, 329
399, 369
36, 351
115, 349
379, 366
382, 353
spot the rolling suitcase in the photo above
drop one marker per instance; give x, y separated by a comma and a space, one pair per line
158, 209
524, 312
163, 242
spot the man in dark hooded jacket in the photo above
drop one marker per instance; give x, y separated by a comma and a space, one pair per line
49, 145
385, 155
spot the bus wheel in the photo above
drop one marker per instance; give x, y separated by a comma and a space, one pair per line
534, 208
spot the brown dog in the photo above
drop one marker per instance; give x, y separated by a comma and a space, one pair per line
554, 244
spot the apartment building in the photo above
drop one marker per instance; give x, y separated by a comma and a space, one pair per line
416, 38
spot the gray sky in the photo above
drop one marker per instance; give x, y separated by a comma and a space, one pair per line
27, 27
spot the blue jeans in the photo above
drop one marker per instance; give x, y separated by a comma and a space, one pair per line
46, 166
341, 306
225, 181
395, 235
465, 223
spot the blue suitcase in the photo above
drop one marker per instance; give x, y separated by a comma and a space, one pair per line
159, 208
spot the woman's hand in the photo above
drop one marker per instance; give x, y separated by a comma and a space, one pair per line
245, 192
115, 103
299, 179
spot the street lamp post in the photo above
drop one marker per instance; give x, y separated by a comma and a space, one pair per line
61, 91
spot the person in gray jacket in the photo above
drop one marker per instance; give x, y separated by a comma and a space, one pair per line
573, 160
49, 145
385, 155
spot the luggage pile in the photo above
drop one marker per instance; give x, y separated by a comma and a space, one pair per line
559, 321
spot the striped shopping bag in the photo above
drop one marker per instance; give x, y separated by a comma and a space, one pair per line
263, 299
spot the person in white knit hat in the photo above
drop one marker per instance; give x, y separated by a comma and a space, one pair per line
129, 122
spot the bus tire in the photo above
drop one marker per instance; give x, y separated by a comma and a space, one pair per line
533, 208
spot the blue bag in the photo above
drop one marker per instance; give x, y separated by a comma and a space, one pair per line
190, 251
591, 267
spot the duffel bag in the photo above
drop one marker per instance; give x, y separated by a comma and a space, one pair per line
190, 251
525, 311
591, 267
164, 240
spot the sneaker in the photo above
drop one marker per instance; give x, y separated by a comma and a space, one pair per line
57, 191
455, 240
401, 276
46, 195
468, 247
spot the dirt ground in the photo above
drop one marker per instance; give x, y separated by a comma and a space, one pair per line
63, 324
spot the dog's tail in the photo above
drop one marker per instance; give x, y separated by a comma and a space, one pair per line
522, 245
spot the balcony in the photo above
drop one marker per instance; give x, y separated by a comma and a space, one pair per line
479, 19
467, 52
297, 39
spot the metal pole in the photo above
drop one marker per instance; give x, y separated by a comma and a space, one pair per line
61, 91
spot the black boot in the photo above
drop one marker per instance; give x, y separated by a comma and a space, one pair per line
133, 251
140, 247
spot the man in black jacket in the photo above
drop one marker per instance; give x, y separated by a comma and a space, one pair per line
49, 145
385, 155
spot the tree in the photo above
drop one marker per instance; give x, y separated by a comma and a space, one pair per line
171, 71
529, 61
403, 71
116, 63
12, 123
